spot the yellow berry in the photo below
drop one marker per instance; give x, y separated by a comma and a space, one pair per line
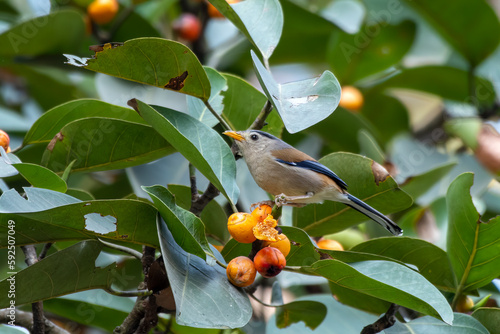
351, 98
240, 225
330, 244
265, 230
262, 212
282, 244
103, 11
241, 271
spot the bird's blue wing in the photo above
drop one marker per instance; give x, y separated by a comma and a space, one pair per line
317, 167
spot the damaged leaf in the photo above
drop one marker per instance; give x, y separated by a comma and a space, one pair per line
151, 61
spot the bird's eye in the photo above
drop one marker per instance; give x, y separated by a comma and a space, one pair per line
254, 137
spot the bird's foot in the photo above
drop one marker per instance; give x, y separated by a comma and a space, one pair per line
280, 200
255, 205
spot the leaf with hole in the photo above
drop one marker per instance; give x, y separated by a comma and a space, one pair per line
300, 104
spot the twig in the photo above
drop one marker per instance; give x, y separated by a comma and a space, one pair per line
202, 201
216, 115
133, 319
45, 249
192, 181
260, 301
150, 318
25, 319
37, 307
138, 293
260, 121
386, 321
124, 249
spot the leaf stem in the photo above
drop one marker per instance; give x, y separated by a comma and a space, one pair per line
219, 117
128, 293
124, 249
261, 302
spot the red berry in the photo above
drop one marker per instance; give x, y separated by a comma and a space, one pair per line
188, 27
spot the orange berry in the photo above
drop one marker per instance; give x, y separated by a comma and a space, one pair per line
330, 244
265, 230
351, 98
465, 304
218, 247
4, 140
240, 225
103, 11
282, 244
241, 271
214, 12
260, 213
269, 262
188, 27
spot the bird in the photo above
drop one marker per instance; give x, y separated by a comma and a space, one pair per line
295, 178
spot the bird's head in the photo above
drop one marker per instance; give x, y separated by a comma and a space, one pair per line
255, 141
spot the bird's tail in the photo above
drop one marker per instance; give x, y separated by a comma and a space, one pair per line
370, 212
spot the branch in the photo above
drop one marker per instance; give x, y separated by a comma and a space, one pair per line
133, 319
44, 251
37, 308
25, 319
192, 181
199, 204
386, 321
260, 121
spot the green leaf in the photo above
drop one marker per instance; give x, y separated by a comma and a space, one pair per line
198, 109
432, 262
388, 281
152, 61
69, 270
49, 86
375, 48
49, 216
51, 122
203, 295
348, 15
38, 36
198, 143
187, 229
356, 171
359, 300
213, 215
466, 129
369, 147
300, 104
473, 41
260, 21
94, 308
472, 245
99, 143
447, 82
6, 165
340, 130
489, 317
310, 312
380, 109
462, 324
419, 184
340, 319
234, 249
41, 177
243, 103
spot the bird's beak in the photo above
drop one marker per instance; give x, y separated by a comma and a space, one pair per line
235, 135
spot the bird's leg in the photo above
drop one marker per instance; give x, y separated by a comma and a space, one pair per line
283, 199
254, 205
